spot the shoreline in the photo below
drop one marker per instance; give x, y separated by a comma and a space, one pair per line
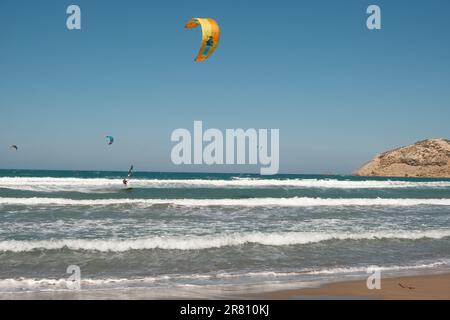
411, 287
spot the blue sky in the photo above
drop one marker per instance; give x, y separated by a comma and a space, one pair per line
338, 92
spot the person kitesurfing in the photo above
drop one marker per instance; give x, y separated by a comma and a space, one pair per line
130, 173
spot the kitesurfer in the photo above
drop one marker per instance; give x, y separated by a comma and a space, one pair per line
130, 173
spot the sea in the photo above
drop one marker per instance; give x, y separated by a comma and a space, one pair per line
212, 235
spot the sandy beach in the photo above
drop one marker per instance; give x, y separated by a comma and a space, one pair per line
422, 287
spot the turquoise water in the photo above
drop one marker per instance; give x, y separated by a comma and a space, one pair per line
174, 230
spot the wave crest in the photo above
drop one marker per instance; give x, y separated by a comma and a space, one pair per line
251, 202
213, 241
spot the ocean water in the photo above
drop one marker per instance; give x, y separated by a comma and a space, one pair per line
176, 230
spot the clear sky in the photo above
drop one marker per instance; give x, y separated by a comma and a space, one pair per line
338, 92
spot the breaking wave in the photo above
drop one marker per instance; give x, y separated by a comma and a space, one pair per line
213, 241
251, 202
87, 185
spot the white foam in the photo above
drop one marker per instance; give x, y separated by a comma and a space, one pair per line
46, 284
215, 241
346, 270
251, 202
47, 184
333, 271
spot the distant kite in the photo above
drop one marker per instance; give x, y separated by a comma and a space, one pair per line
111, 140
210, 36
14, 147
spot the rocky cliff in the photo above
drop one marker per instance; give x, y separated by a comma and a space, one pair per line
427, 158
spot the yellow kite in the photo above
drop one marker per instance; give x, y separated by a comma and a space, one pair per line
210, 36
